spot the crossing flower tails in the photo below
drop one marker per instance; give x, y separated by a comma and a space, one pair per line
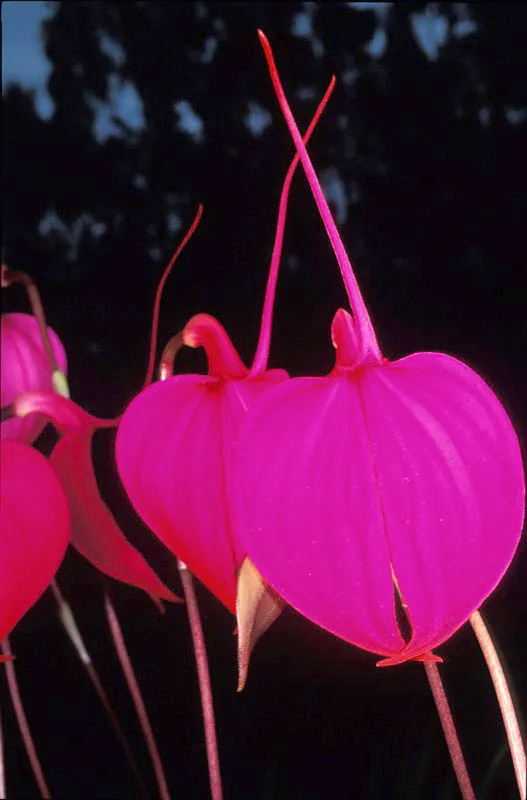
174, 445
382, 485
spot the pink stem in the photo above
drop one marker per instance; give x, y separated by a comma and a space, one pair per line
3, 794
135, 691
262, 351
166, 369
207, 704
23, 723
503, 694
70, 626
449, 729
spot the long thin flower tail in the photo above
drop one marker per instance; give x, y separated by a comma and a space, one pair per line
137, 697
367, 338
510, 719
262, 350
69, 624
23, 724
449, 729
159, 293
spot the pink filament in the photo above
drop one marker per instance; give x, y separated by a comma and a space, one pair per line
262, 351
368, 339
159, 292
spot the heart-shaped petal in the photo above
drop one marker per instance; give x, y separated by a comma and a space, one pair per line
34, 529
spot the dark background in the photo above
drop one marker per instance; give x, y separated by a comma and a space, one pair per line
429, 154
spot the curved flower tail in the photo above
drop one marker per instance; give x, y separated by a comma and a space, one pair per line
159, 292
368, 341
259, 364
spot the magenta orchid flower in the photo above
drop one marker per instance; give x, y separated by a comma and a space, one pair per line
174, 448
25, 367
94, 532
34, 529
381, 484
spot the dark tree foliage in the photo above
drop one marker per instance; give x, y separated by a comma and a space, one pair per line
429, 153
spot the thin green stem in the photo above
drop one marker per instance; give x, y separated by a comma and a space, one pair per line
449, 729
23, 723
510, 719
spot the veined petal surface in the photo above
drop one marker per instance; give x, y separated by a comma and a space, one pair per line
173, 451
34, 529
451, 487
306, 508
412, 466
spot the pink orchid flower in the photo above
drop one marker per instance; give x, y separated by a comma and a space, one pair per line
34, 529
24, 367
94, 531
380, 484
174, 444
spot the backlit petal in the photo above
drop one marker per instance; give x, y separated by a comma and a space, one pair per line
451, 487
94, 532
174, 451
306, 507
34, 529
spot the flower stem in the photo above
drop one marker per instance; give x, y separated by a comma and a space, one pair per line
510, 720
69, 624
2, 762
449, 729
23, 723
166, 369
137, 697
207, 704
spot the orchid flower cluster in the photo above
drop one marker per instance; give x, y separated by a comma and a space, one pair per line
358, 497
